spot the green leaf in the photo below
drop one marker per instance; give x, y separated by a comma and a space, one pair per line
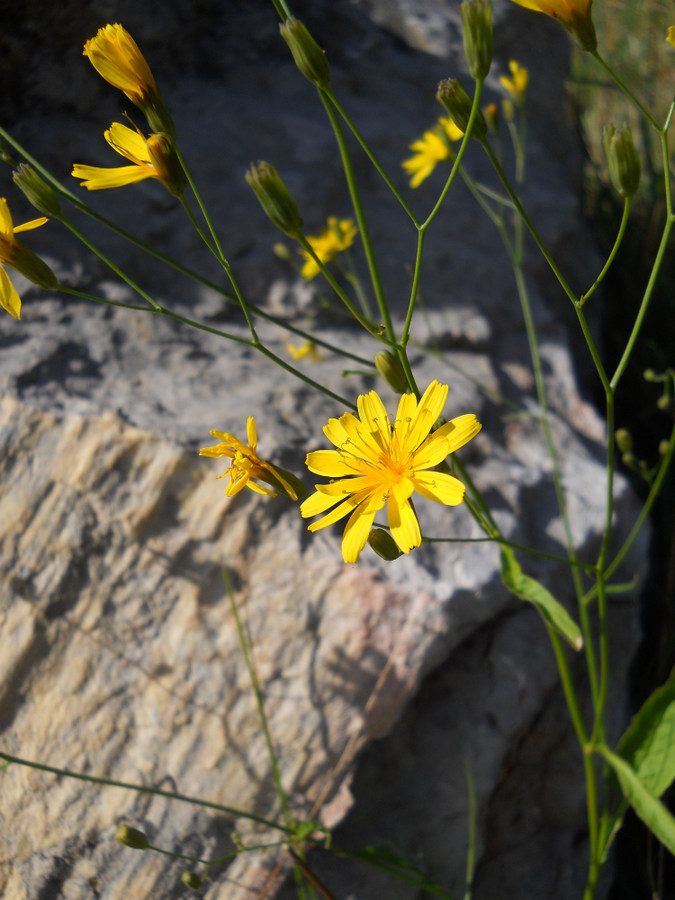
553, 612
648, 807
649, 742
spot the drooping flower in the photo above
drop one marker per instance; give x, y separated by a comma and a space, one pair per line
670, 37
377, 462
516, 85
152, 157
575, 15
433, 147
15, 254
116, 57
338, 235
247, 465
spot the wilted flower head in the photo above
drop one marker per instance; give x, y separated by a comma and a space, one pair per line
247, 465
377, 462
116, 57
19, 257
433, 147
152, 157
575, 15
338, 235
516, 85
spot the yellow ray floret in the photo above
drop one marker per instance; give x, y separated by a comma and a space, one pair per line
247, 465
338, 235
516, 85
14, 254
377, 462
433, 147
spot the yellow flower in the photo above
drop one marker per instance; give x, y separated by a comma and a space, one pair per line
517, 84
377, 461
671, 35
308, 349
575, 15
246, 464
338, 235
432, 148
13, 253
116, 57
151, 158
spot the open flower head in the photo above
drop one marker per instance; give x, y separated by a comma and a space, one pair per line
151, 157
304, 351
575, 15
247, 465
377, 462
19, 257
670, 37
516, 85
433, 147
116, 57
338, 235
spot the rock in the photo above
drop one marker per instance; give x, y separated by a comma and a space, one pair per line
120, 656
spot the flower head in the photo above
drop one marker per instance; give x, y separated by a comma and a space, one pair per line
247, 465
377, 462
116, 57
670, 37
516, 85
19, 257
575, 15
338, 235
304, 351
152, 157
432, 148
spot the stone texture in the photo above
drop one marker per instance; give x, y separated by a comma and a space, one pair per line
119, 656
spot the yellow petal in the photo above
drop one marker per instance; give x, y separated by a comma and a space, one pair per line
356, 534
374, 416
28, 226
96, 178
6, 227
440, 487
431, 452
9, 299
331, 463
459, 431
251, 433
128, 142
404, 526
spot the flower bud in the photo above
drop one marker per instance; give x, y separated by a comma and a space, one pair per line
275, 198
132, 837
282, 252
622, 159
308, 56
383, 544
40, 194
650, 375
663, 447
165, 160
191, 880
452, 96
19, 257
477, 30
390, 368
623, 440
663, 402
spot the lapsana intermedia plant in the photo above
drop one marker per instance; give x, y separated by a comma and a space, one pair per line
377, 462
15, 254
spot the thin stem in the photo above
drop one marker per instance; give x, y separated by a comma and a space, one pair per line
282, 9
631, 96
614, 251
302, 377
587, 567
142, 789
255, 684
200, 203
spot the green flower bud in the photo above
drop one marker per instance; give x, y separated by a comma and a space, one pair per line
663, 448
623, 440
164, 158
663, 402
275, 198
132, 837
457, 103
308, 56
191, 880
477, 29
649, 375
383, 544
19, 257
40, 194
622, 159
282, 252
390, 368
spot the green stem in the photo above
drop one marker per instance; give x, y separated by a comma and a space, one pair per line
255, 684
503, 542
142, 789
620, 84
610, 258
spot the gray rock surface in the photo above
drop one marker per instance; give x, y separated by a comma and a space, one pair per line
118, 650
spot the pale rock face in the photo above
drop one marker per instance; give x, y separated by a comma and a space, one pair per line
119, 656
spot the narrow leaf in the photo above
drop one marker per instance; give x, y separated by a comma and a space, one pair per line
648, 807
530, 590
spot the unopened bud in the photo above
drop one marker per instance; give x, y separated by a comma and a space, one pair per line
308, 56
40, 194
623, 440
452, 96
132, 837
383, 544
663, 402
477, 30
390, 368
282, 252
649, 375
165, 160
19, 257
191, 880
491, 113
622, 159
275, 198
663, 448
